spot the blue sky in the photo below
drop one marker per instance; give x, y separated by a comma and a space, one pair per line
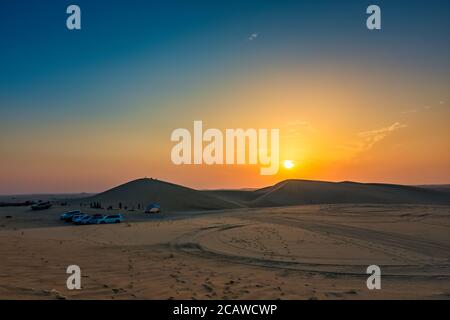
166, 60
169, 43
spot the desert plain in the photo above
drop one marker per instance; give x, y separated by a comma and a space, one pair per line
308, 251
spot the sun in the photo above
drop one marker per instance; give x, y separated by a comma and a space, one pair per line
288, 164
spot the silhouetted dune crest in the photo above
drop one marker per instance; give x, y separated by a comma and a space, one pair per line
173, 197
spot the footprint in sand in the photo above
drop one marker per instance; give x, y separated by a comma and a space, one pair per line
118, 290
208, 287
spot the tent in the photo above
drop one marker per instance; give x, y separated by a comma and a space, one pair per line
153, 208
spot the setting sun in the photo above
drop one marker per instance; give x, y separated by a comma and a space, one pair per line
288, 164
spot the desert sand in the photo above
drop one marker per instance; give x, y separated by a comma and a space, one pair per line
316, 251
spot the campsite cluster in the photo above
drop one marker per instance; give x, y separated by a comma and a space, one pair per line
151, 208
82, 218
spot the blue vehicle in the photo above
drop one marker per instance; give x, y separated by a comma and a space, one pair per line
96, 218
66, 216
113, 218
85, 220
79, 217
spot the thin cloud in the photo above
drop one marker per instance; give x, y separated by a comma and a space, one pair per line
367, 139
253, 36
370, 138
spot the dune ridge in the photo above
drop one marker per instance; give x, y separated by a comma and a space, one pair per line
295, 192
170, 196
173, 197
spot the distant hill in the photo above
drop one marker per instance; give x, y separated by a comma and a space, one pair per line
437, 187
294, 192
170, 196
43, 197
176, 198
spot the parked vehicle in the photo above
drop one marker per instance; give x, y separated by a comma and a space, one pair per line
114, 218
74, 216
69, 214
41, 205
77, 218
85, 220
96, 218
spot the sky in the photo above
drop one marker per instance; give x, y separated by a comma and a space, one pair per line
89, 109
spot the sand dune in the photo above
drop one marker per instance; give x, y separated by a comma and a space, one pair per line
437, 187
176, 198
170, 196
297, 192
